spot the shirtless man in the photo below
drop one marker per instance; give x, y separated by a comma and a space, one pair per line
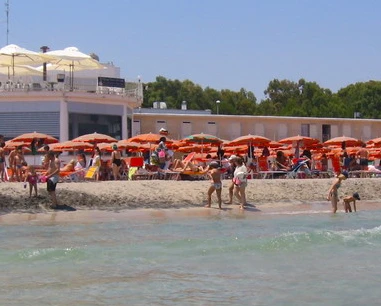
216, 184
15, 160
52, 176
363, 154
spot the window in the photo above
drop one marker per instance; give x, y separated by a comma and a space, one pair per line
326, 132
212, 128
305, 130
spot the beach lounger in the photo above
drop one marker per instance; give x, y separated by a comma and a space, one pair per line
264, 170
73, 176
90, 173
301, 167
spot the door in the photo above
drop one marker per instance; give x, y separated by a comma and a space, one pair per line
136, 127
211, 128
186, 129
160, 124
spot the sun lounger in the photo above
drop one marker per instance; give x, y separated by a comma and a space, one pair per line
73, 176
299, 168
90, 174
135, 173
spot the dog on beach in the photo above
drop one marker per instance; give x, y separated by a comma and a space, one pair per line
351, 199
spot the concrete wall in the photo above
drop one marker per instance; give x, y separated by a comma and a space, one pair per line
230, 127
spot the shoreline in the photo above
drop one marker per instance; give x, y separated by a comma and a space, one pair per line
265, 194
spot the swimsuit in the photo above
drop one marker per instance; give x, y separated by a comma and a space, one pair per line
32, 179
117, 162
334, 193
51, 183
217, 186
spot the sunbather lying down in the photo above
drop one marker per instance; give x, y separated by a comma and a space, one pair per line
179, 166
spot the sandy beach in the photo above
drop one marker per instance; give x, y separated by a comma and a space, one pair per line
265, 194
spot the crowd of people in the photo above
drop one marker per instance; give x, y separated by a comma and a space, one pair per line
162, 160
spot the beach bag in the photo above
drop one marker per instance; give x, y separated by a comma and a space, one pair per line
162, 156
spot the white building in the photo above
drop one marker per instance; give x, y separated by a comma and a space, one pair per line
66, 109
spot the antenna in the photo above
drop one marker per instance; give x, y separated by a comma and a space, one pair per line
7, 13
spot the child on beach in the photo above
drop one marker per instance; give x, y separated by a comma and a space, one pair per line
333, 195
351, 199
216, 185
32, 178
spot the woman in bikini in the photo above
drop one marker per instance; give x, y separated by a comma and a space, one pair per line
333, 194
116, 159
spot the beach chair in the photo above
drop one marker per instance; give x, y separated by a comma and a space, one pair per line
264, 170
131, 173
91, 172
73, 176
300, 167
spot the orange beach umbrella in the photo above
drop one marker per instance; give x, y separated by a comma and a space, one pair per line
73, 146
349, 141
148, 138
253, 140
29, 137
306, 141
95, 138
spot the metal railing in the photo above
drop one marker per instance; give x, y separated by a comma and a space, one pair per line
132, 91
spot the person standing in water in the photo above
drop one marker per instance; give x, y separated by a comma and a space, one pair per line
333, 194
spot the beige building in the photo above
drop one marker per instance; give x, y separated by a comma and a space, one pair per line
181, 123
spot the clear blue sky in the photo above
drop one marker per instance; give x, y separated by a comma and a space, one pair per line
217, 43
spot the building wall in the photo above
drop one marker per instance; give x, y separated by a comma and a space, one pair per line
48, 112
230, 127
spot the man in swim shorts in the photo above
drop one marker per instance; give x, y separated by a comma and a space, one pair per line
216, 185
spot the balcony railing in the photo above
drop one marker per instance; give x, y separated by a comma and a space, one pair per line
134, 89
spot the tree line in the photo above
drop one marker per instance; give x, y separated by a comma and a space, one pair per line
282, 98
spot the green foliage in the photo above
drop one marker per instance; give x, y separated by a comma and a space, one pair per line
282, 98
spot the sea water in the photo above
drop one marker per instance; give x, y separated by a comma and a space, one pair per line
223, 259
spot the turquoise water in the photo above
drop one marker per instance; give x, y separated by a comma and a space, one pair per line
225, 259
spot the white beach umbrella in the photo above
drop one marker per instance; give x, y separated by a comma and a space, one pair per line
19, 70
12, 55
73, 59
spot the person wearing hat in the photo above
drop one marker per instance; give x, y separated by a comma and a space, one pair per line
333, 195
116, 159
351, 199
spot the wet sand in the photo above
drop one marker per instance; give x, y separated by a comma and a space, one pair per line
101, 201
